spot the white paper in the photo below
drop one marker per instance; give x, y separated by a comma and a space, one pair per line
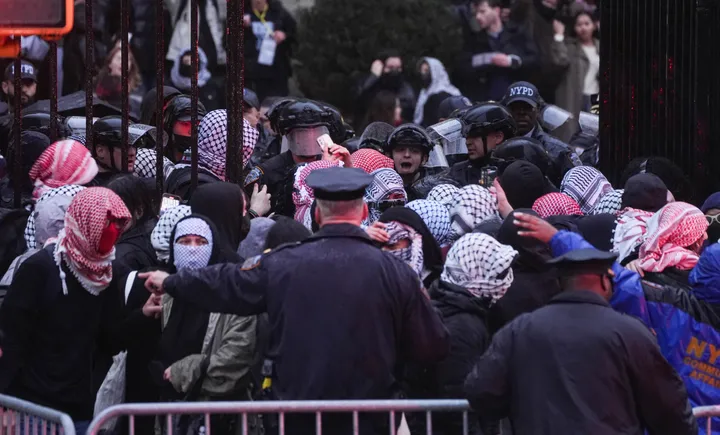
267, 51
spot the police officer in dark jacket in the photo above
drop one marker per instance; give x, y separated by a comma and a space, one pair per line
555, 371
485, 126
344, 314
523, 99
301, 123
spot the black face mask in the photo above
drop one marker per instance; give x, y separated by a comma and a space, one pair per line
426, 80
713, 232
392, 80
181, 143
185, 70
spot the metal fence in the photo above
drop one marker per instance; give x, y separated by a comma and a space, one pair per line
21, 417
353, 408
234, 80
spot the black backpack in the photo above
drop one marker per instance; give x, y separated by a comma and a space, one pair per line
179, 181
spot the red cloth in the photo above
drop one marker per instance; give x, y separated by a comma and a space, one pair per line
670, 231
556, 204
370, 160
88, 217
62, 163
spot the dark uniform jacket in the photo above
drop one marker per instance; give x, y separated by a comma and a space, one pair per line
278, 175
469, 171
576, 366
562, 157
343, 315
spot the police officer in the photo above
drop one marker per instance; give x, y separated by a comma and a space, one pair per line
177, 123
300, 123
524, 148
409, 146
343, 314
524, 101
28, 76
583, 379
485, 126
107, 149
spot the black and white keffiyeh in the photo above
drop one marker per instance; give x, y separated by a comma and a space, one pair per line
472, 205
160, 236
481, 265
610, 203
192, 257
386, 184
413, 254
444, 194
586, 185
69, 190
146, 162
436, 216
212, 142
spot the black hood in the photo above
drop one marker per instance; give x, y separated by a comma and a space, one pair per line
451, 300
533, 254
223, 204
147, 108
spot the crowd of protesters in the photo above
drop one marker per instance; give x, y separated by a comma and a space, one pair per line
495, 264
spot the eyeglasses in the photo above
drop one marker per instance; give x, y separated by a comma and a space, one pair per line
713, 218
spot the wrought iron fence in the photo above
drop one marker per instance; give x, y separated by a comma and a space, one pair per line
22, 417
353, 408
234, 91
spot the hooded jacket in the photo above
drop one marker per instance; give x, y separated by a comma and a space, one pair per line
223, 205
440, 88
686, 324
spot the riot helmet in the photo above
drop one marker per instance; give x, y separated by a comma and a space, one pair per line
273, 113
302, 123
375, 136
107, 131
452, 105
409, 135
486, 118
521, 148
41, 122
177, 118
339, 130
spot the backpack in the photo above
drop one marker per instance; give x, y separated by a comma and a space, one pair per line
180, 181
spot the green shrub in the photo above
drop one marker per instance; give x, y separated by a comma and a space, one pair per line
339, 39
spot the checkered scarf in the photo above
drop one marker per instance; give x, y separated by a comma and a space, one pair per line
192, 257
146, 162
630, 231
303, 195
212, 142
77, 243
413, 254
385, 183
477, 263
69, 190
473, 204
64, 162
610, 203
556, 204
160, 236
670, 231
370, 160
444, 194
436, 216
586, 185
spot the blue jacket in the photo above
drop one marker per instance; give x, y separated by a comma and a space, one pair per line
685, 324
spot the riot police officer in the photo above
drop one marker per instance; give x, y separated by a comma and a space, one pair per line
485, 126
177, 123
523, 148
107, 149
270, 141
524, 100
300, 123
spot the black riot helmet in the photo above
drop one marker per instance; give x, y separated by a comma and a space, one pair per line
486, 118
41, 122
180, 109
521, 148
107, 131
409, 135
339, 130
303, 114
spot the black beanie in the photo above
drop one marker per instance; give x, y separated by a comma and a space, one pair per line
523, 184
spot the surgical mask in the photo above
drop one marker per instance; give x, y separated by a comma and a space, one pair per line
192, 257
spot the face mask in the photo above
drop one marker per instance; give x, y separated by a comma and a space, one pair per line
713, 232
192, 257
109, 86
182, 143
426, 80
108, 238
404, 254
185, 70
392, 79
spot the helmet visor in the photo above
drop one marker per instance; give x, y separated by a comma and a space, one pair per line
304, 141
552, 117
589, 123
437, 159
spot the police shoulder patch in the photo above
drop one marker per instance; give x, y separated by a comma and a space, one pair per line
251, 263
254, 176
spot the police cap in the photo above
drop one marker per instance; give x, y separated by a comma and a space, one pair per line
588, 261
339, 184
522, 91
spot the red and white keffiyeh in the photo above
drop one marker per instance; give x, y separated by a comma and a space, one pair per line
62, 163
630, 231
556, 204
77, 244
370, 160
303, 195
670, 231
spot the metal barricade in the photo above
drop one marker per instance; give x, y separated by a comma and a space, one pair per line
281, 408
708, 412
21, 417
